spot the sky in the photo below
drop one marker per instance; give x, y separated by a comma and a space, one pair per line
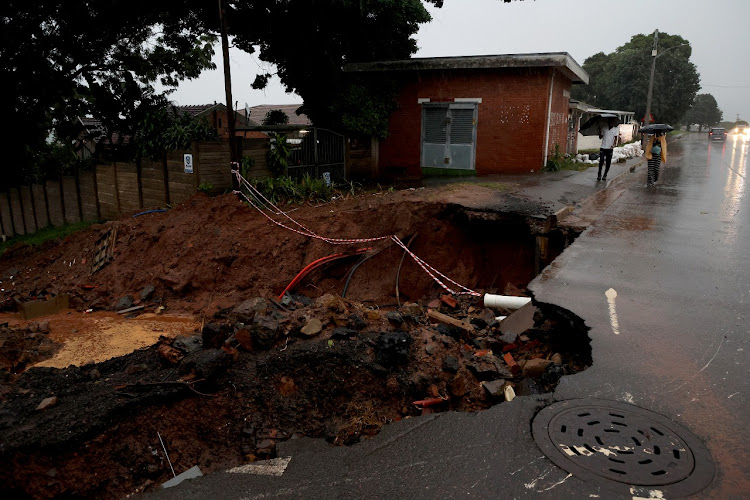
717, 30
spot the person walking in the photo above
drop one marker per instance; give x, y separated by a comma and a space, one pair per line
608, 137
656, 154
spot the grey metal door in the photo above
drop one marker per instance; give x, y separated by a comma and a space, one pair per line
449, 132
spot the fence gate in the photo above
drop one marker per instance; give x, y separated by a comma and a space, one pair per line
317, 151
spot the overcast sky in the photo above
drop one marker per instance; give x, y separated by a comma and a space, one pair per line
718, 31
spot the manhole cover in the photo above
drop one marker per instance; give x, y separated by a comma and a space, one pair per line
620, 444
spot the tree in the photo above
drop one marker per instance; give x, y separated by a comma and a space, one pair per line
620, 80
275, 117
705, 112
101, 59
311, 42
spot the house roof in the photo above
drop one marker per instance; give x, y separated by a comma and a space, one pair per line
560, 60
258, 113
200, 110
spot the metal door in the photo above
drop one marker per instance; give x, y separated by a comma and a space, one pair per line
449, 132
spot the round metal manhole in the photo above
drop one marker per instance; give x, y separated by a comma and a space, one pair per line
619, 444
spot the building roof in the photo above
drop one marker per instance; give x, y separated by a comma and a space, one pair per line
258, 113
200, 110
560, 60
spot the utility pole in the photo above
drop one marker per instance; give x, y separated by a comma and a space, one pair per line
647, 118
228, 91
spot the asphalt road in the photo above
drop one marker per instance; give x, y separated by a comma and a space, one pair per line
662, 278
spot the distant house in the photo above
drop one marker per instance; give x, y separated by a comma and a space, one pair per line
216, 114
258, 113
475, 115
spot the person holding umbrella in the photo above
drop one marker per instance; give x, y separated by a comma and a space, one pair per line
608, 136
656, 154
656, 149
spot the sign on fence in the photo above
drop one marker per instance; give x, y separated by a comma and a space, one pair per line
188, 163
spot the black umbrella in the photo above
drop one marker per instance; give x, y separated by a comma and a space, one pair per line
593, 125
655, 128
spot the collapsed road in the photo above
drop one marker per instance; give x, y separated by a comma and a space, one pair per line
262, 371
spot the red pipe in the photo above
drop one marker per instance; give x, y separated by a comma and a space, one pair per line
317, 263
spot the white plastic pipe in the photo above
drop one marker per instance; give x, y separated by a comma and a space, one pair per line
500, 318
505, 301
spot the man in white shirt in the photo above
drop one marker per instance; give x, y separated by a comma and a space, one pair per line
608, 137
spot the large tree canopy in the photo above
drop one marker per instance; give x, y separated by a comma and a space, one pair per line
68, 59
620, 80
705, 112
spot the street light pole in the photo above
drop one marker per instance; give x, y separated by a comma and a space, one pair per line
647, 118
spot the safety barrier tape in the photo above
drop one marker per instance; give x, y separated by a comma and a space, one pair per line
263, 204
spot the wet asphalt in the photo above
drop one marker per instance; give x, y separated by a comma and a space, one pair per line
661, 276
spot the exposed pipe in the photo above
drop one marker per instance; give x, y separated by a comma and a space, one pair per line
505, 301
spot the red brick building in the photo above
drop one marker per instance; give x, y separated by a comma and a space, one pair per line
476, 115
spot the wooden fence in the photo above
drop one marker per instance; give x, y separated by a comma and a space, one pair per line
115, 189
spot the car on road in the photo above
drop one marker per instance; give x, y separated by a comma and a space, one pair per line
717, 134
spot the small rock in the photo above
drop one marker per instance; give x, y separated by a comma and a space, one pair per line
124, 303
44, 326
488, 367
147, 292
434, 304
412, 309
556, 359
372, 315
342, 333
95, 374
52, 472
450, 364
312, 327
47, 403
430, 349
535, 367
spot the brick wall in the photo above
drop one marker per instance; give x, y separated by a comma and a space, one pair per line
511, 117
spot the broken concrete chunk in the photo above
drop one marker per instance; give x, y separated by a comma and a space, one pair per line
124, 303
147, 292
246, 311
265, 331
487, 367
188, 344
312, 327
47, 403
494, 387
188, 474
331, 303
